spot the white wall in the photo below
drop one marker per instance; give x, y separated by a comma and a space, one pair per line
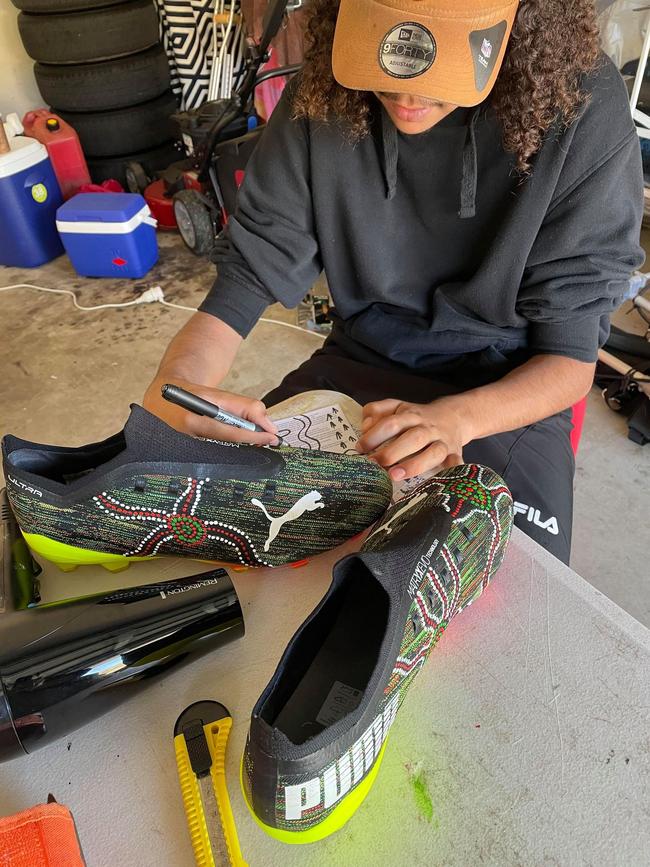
623, 27
18, 91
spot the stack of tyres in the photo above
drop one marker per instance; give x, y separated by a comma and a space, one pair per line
100, 66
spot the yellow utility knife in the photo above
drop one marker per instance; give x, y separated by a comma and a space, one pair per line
200, 739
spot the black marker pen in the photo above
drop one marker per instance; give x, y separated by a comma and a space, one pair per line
198, 406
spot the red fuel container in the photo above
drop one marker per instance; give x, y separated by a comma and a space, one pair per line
63, 148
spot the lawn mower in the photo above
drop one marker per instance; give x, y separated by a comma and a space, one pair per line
219, 137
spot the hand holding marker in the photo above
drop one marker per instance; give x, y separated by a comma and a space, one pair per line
198, 406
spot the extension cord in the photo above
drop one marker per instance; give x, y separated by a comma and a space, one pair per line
155, 295
642, 302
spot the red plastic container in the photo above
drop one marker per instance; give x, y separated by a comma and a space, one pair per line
160, 205
63, 148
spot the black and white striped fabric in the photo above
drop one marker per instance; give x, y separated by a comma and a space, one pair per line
186, 33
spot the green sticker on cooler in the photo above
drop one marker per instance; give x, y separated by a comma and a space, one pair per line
39, 193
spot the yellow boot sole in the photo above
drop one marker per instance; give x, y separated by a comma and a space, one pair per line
341, 814
69, 557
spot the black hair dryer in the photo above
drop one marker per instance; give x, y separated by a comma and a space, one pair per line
65, 663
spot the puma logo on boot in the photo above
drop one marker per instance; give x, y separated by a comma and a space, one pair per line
309, 503
387, 528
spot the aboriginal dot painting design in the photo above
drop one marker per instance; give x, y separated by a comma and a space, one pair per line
481, 506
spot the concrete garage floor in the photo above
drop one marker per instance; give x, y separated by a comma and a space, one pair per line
68, 377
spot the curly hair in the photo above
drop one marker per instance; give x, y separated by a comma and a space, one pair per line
554, 44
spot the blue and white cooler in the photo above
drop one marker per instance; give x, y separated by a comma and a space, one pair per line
29, 197
108, 234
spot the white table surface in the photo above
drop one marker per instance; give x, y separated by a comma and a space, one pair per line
530, 724
530, 727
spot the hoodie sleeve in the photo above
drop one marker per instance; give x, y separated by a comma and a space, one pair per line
579, 268
269, 251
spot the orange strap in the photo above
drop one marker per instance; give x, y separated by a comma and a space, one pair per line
43, 836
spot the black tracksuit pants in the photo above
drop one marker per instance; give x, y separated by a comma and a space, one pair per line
536, 462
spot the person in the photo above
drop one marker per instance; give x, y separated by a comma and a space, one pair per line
468, 176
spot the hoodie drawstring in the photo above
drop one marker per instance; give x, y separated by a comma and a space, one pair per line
469, 181
390, 144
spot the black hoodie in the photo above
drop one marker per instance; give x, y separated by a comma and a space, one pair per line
433, 246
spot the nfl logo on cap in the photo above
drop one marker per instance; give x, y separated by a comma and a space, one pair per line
486, 48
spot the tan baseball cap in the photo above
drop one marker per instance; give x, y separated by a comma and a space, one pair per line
450, 50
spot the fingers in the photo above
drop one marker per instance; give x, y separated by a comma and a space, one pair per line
408, 438
386, 428
252, 410
429, 458
375, 410
245, 407
215, 430
409, 443
381, 407
255, 411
